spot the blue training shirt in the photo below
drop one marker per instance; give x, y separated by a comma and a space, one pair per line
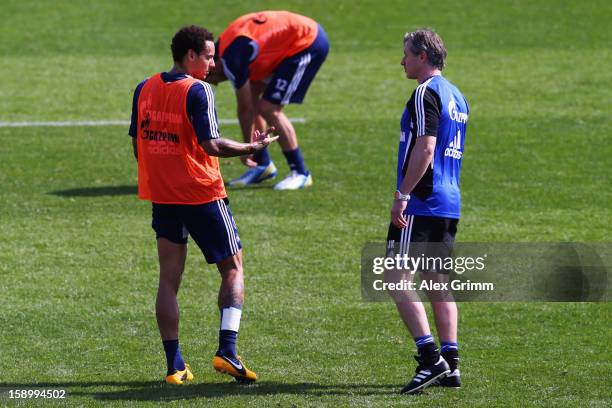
199, 98
436, 108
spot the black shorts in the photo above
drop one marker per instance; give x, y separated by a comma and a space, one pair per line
292, 78
432, 237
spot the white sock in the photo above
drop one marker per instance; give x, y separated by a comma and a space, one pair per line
230, 318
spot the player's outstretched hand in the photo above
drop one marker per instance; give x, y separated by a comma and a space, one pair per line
262, 139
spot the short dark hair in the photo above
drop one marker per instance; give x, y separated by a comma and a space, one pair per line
430, 42
189, 38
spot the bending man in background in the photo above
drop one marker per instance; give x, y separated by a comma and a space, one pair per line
271, 57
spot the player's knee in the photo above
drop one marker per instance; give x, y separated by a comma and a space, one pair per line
170, 280
445, 306
404, 296
232, 274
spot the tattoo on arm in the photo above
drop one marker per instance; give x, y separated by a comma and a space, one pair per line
227, 148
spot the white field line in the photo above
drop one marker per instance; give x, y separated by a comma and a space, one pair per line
68, 123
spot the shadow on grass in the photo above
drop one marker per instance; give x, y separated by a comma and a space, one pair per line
96, 191
132, 190
159, 391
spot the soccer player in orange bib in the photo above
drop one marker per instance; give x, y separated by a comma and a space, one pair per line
176, 141
271, 57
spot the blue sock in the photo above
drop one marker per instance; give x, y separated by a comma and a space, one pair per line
447, 346
174, 359
227, 342
262, 157
296, 161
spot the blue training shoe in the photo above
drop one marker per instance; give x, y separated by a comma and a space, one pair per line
255, 175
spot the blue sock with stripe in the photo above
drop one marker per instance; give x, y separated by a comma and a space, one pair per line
423, 341
450, 352
296, 161
426, 347
174, 359
447, 346
262, 157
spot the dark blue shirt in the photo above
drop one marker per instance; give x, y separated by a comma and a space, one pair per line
236, 59
200, 108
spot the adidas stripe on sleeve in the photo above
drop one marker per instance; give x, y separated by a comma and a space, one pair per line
426, 111
202, 112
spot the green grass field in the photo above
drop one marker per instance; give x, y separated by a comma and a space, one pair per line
78, 267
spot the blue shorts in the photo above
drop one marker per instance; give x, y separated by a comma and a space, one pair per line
291, 79
211, 226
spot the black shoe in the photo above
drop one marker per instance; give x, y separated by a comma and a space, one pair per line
426, 375
453, 379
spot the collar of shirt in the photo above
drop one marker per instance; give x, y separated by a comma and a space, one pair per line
167, 77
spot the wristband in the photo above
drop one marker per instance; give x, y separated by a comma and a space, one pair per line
401, 197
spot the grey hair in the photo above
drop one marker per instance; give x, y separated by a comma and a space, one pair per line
428, 41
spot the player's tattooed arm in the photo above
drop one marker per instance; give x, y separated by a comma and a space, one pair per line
222, 147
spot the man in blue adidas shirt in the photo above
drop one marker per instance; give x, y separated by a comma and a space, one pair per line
427, 201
